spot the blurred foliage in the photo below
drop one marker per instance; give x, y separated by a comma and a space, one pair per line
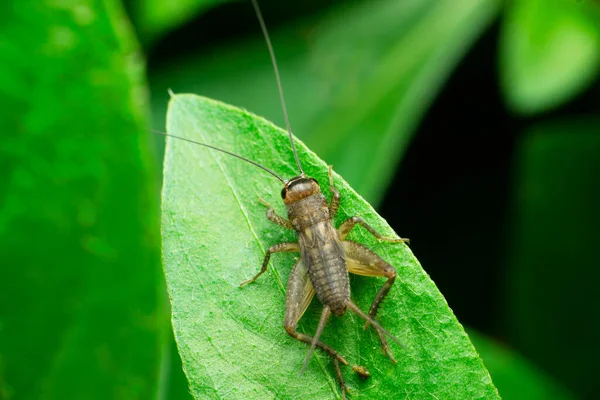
82, 313
514, 376
550, 51
78, 209
154, 18
355, 82
553, 259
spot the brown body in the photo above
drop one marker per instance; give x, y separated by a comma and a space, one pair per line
326, 258
320, 246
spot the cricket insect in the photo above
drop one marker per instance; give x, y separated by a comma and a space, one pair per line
326, 256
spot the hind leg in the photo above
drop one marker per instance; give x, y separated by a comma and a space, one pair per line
299, 294
361, 260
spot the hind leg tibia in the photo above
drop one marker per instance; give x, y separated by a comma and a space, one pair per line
361, 260
299, 294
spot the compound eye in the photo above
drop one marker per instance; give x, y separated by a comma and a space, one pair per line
283, 193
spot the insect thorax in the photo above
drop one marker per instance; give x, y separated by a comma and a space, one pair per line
308, 211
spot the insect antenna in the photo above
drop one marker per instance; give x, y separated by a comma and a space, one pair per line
223, 151
324, 317
263, 26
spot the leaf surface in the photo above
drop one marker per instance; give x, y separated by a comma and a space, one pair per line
231, 339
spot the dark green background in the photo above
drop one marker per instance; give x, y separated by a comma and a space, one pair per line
472, 125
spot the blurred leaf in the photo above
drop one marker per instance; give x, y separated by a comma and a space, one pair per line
549, 52
514, 376
551, 308
155, 17
78, 209
174, 384
231, 339
357, 80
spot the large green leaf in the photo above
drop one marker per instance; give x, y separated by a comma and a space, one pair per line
357, 79
549, 52
231, 339
78, 206
551, 309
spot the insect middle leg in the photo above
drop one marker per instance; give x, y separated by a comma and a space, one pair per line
298, 296
361, 260
288, 247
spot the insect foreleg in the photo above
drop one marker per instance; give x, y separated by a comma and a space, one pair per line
348, 224
288, 247
361, 260
274, 217
334, 204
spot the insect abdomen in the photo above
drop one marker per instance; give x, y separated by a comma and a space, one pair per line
323, 253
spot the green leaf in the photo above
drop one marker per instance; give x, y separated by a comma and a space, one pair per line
231, 339
357, 79
549, 52
78, 206
552, 258
514, 376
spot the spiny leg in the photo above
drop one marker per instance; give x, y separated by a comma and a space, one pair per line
353, 307
361, 260
299, 293
334, 204
340, 378
298, 296
276, 248
348, 224
274, 217
381, 331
